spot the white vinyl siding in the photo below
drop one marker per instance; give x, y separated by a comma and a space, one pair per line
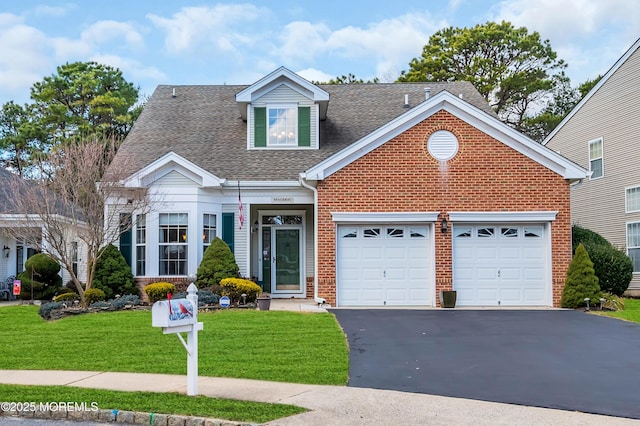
632, 199
240, 239
633, 245
596, 158
174, 178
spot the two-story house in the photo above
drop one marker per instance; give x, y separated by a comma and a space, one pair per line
602, 134
361, 194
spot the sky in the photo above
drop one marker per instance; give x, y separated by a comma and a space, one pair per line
205, 42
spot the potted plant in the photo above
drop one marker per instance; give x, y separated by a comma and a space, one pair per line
448, 298
264, 301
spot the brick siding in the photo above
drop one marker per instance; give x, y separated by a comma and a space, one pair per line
401, 176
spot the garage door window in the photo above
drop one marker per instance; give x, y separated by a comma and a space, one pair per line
418, 232
509, 232
348, 232
535, 232
462, 232
486, 232
372, 232
395, 232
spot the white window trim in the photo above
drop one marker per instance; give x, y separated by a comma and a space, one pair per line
626, 233
601, 140
626, 199
506, 217
281, 106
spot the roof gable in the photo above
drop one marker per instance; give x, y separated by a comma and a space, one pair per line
479, 119
279, 77
171, 163
595, 88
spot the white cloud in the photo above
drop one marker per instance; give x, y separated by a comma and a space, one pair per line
24, 57
313, 74
200, 28
302, 41
103, 32
391, 43
576, 29
44, 10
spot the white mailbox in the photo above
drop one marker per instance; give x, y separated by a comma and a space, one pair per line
173, 313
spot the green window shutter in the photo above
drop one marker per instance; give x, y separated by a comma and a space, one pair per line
304, 126
228, 229
260, 126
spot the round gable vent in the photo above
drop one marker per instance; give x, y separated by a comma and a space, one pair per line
442, 145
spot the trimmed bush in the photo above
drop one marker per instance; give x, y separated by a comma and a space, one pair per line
121, 302
113, 275
235, 287
158, 291
586, 237
94, 295
66, 297
612, 266
581, 281
46, 282
205, 297
218, 262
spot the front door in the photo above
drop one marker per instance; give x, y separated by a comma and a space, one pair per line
285, 268
282, 267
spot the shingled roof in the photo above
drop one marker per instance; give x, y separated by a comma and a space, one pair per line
203, 125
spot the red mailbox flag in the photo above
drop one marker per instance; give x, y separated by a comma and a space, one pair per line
16, 287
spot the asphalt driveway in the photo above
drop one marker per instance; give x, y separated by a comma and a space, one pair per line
568, 360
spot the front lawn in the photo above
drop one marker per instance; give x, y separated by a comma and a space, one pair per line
272, 345
631, 311
152, 402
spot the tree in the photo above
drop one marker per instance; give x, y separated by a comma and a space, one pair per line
84, 99
349, 79
40, 278
21, 140
217, 262
581, 281
113, 275
512, 68
71, 205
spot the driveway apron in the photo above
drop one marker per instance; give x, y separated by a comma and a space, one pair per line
568, 360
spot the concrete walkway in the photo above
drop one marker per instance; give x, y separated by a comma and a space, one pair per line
328, 405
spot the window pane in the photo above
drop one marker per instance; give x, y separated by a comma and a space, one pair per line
595, 149
462, 232
372, 232
418, 232
633, 235
348, 232
509, 232
634, 254
485, 232
596, 168
633, 199
282, 126
395, 232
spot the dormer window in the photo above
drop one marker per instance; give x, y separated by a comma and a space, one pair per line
283, 126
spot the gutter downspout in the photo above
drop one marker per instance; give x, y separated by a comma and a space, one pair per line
304, 184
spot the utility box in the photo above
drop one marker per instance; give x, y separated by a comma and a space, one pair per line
173, 313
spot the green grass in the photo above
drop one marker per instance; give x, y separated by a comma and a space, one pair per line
631, 311
152, 402
264, 345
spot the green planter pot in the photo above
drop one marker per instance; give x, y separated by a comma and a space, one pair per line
448, 298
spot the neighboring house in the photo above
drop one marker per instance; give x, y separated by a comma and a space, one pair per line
361, 194
602, 134
15, 251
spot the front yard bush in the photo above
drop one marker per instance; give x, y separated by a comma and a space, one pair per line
45, 283
612, 266
581, 281
113, 275
158, 291
218, 262
235, 287
66, 297
94, 295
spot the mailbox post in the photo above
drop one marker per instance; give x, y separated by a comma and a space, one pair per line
177, 316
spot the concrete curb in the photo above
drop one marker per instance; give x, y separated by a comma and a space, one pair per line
122, 417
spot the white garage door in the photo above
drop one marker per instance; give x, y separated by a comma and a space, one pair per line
499, 265
382, 265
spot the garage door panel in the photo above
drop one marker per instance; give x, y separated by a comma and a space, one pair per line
390, 268
507, 267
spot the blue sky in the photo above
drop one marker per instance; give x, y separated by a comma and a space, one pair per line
200, 42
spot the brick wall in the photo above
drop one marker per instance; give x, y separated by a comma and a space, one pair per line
485, 175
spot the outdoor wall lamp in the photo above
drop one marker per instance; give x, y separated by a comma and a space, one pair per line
255, 226
5, 251
444, 226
